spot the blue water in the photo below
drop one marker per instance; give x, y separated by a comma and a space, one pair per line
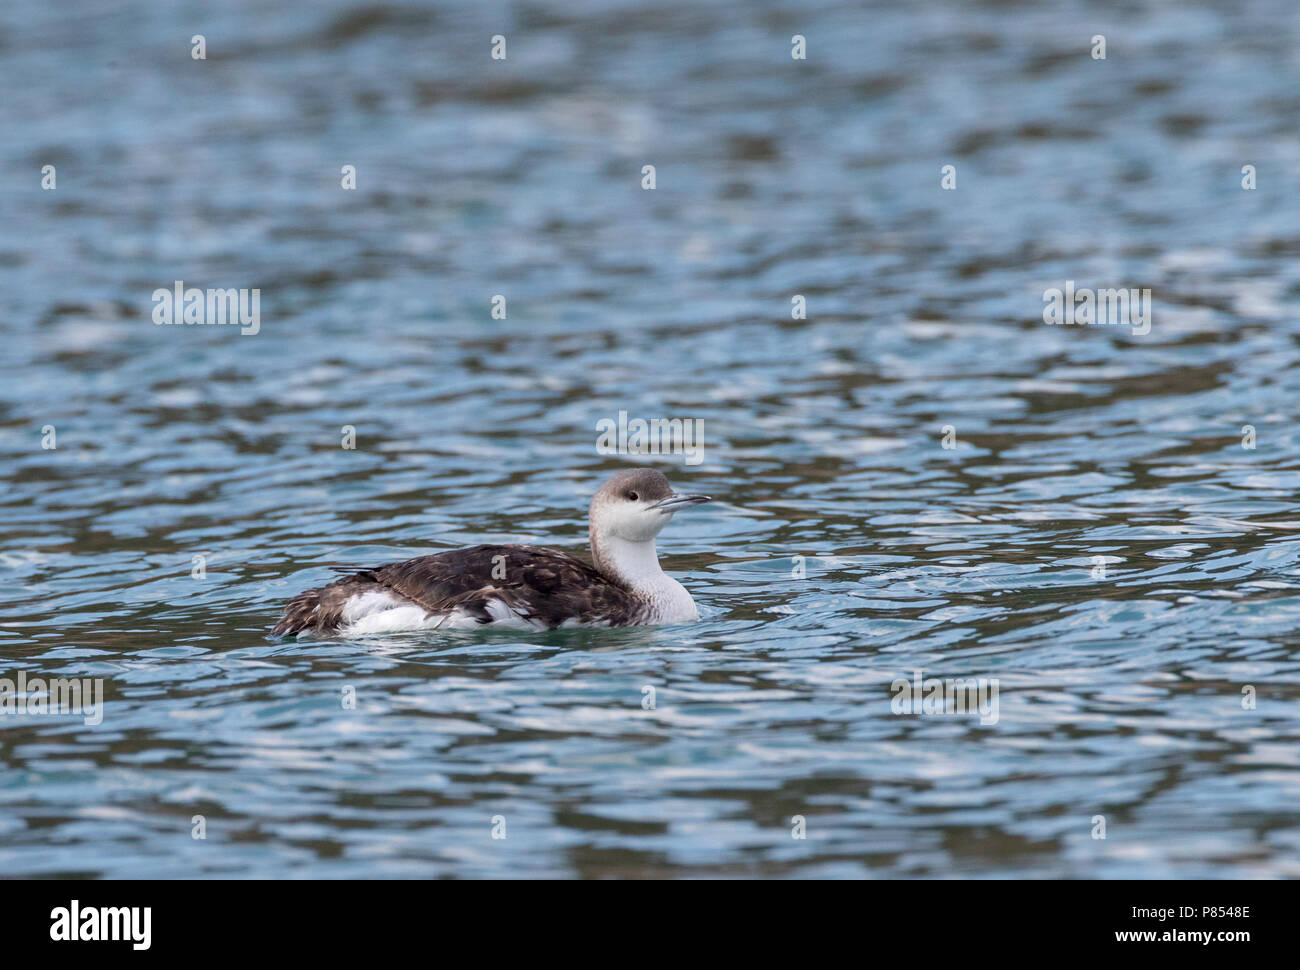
1121, 695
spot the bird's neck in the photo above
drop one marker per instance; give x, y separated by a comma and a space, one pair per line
635, 567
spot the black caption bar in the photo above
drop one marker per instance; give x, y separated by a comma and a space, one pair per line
144, 920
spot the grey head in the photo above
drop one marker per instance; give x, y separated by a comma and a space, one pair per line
634, 505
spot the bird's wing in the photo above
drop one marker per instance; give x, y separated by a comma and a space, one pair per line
538, 584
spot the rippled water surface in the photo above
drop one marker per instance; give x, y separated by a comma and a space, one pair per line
1121, 695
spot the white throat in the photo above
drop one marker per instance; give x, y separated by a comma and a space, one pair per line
636, 566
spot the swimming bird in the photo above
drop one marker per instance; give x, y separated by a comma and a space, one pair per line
519, 586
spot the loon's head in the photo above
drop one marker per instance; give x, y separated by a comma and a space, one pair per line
634, 505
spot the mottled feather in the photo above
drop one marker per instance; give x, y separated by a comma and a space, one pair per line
541, 585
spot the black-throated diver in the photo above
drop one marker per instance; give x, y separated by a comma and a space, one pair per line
515, 585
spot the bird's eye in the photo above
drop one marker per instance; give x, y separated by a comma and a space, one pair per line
633, 496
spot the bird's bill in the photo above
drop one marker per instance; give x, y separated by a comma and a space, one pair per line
674, 502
